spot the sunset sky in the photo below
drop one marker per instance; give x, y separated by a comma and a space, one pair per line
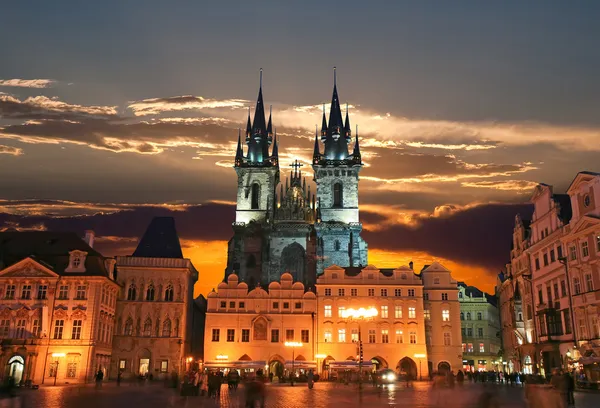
113, 112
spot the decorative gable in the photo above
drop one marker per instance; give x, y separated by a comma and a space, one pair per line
28, 267
76, 261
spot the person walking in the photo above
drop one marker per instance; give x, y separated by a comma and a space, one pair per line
310, 377
99, 377
570, 388
119, 375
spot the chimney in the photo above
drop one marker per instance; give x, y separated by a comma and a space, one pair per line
89, 238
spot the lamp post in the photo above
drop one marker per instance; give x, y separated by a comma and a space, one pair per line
293, 345
420, 357
56, 356
359, 315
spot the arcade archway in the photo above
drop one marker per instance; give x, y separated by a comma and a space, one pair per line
379, 363
443, 367
276, 365
407, 366
15, 368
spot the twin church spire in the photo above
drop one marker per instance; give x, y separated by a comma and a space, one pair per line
335, 135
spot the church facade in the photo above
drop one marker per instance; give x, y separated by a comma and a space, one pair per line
283, 226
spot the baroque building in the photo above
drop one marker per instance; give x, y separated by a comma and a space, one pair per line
155, 308
284, 227
57, 307
480, 329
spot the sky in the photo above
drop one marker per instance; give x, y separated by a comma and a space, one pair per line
114, 112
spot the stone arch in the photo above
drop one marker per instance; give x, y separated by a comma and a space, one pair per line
444, 367
379, 362
276, 365
407, 366
293, 261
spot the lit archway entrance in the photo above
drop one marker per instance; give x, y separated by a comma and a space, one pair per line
407, 366
276, 365
144, 362
325, 367
443, 367
15, 368
379, 363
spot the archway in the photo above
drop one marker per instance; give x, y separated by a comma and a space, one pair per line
407, 366
379, 363
443, 367
276, 365
144, 361
15, 368
293, 260
325, 366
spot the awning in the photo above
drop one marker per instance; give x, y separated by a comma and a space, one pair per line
349, 365
300, 364
235, 364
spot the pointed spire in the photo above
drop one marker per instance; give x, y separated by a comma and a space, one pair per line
356, 152
324, 125
239, 153
347, 131
316, 152
275, 148
270, 125
335, 113
248, 125
304, 185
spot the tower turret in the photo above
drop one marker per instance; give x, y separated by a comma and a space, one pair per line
239, 153
336, 146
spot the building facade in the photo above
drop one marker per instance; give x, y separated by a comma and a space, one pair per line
296, 231
57, 307
155, 308
480, 330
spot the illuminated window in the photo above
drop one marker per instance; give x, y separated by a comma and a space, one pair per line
398, 312
327, 311
275, 336
464, 348
384, 312
71, 370
354, 336
385, 338
327, 336
481, 348
412, 313
427, 314
341, 311
342, 335
445, 315
469, 348
399, 337
76, 330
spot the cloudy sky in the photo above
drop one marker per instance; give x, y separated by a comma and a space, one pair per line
112, 112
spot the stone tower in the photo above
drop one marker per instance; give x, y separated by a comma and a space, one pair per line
336, 175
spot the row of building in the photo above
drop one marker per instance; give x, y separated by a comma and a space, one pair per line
549, 296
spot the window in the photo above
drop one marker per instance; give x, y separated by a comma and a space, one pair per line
81, 292
242, 305
36, 328
255, 196
4, 328
342, 335
397, 292
464, 347
341, 311
169, 293
304, 336
398, 312
76, 330
549, 293
63, 292
216, 334
327, 291
59, 325
341, 292
353, 292
42, 292
286, 305
589, 284
230, 335
556, 294
383, 292
26, 292
166, 331
540, 296
425, 296
585, 251
460, 295
274, 335
354, 336
469, 332
444, 296
164, 366
468, 315
469, 348
150, 292
371, 335
537, 263
338, 195
563, 288
371, 292
427, 314
385, 337
545, 259
275, 305
327, 311
447, 339
480, 331
479, 315
411, 293
552, 256
298, 305
412, 336
223, 305
463, 332
576, 286
559, 251
128, 330
10, 292
336, 245
327, 336
384, 312
445, 315
436, 281
481, 348
412, 313
567, 320
20, 334
573, 253
148, 327
399, 337
289, 335
71, 370
232, 305
462, 315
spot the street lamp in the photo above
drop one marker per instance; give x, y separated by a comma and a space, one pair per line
293, 345
359, 315
419, 357
56, 356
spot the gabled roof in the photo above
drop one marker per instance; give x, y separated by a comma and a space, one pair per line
50, 249
474, 292
579, 176
160, 240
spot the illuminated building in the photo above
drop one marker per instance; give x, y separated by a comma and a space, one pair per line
57, 307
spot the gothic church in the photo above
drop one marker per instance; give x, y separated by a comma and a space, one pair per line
283, 226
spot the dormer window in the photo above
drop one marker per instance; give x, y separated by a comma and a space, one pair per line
76, 261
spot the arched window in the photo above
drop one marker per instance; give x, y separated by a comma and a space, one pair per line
128, 331
338, 195
468, 315
166, 332
336, 245
150, 292
169, 293
462, 316
480, 316
148, 327
255, 196
176, 329
131, 292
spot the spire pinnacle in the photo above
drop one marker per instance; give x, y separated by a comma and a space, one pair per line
347, 131
248, 125
239, 153
270, 125
316, 152
275, 149
356, 152
261, 77
324, 125
334, 77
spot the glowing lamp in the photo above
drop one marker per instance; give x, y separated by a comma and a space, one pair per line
293, 344
222, 357
320, 355
360, 313
56, 355
420, 356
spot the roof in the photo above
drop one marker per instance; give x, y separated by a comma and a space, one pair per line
474, 292
51, 249
160, 240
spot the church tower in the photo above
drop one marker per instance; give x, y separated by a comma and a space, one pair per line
336, 176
